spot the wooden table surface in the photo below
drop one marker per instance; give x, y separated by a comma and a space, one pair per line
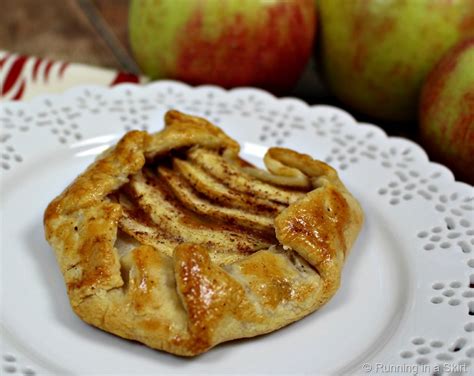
84, 31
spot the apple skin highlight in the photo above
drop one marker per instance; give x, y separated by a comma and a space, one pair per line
227, 43
375, 54
447, 111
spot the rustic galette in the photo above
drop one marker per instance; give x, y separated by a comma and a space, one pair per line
172, 240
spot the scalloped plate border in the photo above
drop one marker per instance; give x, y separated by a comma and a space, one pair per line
401, 180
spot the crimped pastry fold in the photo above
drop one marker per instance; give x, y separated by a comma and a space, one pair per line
172, 240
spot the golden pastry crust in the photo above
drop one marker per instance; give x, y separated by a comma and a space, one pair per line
171, 240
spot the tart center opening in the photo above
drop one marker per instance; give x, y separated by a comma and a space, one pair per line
199, 196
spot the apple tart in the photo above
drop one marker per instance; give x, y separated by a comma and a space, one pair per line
172, 240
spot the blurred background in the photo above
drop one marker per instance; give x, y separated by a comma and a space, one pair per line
95, 32
86, 31
407, 66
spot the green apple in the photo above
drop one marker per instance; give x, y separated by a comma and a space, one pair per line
375, 54
447, 111
230, 43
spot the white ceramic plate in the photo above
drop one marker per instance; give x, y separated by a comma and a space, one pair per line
406, 301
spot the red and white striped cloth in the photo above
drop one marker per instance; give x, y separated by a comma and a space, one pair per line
23, 77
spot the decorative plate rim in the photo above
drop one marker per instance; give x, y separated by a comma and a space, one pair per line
444, 175
355, 122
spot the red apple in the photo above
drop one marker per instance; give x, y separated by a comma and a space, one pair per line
447, 111
264, 43
375, 54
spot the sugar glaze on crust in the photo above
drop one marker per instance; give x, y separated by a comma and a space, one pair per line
172, 240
